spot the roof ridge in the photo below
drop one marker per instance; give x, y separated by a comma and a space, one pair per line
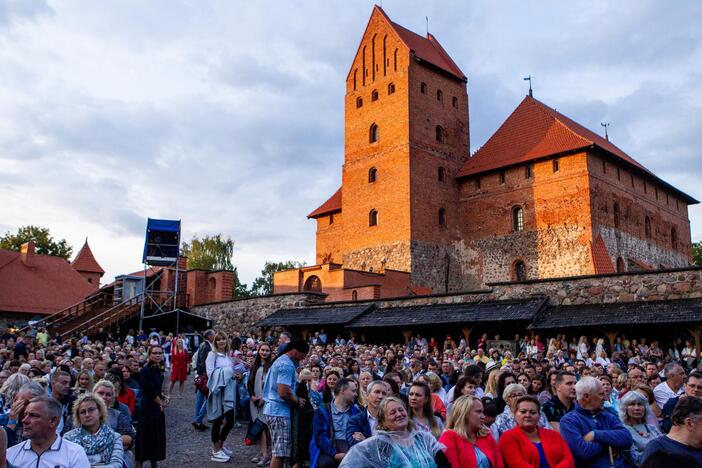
555, 115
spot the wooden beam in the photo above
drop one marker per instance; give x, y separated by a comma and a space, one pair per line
305, 333
466, 334
407, 333
611, 335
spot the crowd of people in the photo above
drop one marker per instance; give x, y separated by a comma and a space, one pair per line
515, 403
324, 402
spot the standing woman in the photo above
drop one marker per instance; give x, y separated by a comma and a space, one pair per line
151, 436
221, 401
468, 442
179, 366
255, 386
529, 445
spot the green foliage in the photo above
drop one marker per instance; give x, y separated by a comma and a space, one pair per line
263, 285
697, 253
44, 243
240, 289
209, 253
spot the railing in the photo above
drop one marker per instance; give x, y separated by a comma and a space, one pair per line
99, 300
106, 318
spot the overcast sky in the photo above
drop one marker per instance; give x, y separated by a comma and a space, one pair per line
229, 114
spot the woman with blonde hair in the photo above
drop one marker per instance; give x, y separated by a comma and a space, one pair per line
102, 445
84, 383
468, 441
396, 442
10, 388
491, 385
437, 393
220, 381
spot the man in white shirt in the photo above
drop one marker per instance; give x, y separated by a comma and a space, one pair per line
673, 385
43, 448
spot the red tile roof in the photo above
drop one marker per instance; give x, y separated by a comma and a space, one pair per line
535, 131
332, 205
600, 257
425, 48
47, 287
85, 261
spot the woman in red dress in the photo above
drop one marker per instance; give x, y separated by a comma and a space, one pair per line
179, 366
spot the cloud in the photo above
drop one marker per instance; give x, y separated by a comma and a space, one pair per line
230, 116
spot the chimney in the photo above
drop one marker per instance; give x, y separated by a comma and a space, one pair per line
27, 253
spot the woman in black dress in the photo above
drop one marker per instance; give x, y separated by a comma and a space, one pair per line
151, 435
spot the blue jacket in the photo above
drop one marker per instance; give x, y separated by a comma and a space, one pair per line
608, 430
358, 423
323, 434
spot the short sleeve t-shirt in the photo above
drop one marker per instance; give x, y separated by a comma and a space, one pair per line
672, 447
282, 371
554, 409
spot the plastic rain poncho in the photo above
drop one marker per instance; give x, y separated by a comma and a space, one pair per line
386, 449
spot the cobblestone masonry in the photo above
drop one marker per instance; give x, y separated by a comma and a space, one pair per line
628, 287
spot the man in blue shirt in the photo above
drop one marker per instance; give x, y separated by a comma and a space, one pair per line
684, 441
597, 438
279, 395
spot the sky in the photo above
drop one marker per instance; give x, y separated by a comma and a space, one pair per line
228, 115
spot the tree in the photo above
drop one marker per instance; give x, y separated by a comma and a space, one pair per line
240, 289
209, 253
263, 285
697, 253
44, 243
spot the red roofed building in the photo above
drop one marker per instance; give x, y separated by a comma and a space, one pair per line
544, 197
87, 266
36, 285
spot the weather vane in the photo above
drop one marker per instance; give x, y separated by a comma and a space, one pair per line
605, 125
528, 78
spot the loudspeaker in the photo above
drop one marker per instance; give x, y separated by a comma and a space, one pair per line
162, 246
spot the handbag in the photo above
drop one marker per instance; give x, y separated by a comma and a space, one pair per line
201, 384
254, 432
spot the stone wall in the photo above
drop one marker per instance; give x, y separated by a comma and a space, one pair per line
242, 314
601, 289
671, 285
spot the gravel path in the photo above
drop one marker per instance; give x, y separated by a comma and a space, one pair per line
189, 447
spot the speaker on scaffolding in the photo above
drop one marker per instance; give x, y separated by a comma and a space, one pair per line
162, 245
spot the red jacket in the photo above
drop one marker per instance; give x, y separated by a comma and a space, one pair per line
520, 452
460, 452
128, 397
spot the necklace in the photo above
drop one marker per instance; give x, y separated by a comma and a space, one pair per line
646, 434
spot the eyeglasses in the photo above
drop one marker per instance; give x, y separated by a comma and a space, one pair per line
87, 411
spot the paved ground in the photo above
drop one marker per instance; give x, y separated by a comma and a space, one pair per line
188, 447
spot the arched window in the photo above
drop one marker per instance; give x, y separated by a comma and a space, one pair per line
331, 218
519, 271
502, 177
442, 175
620, 265
439, 95
385, 45
374, 95
355, 76
527, 171
391, 88
364, 72
423, 88
647, 227
442, 217
674, 238
374, 133
359, 102
373, 66
556, 168
395, 60
616, 214
517, 218
372, 175
354, 295
440, 134
313, 283
373, 218
454, 101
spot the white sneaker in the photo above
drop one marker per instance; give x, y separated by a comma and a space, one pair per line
220, 457
227, 452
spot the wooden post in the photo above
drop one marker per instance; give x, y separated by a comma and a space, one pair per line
466, 334
305, 333
611, 335
407, 333
695, 332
